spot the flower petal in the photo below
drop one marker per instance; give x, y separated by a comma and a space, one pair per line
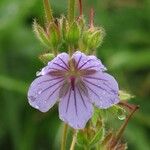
75, 109
59, 63
88, 62
44, 92
102, 89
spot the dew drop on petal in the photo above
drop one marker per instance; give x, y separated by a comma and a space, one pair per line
104, 93
39, 91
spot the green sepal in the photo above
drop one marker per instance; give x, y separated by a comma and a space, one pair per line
81, 22
98, 137
123, 95
41, 34
45, 58
96, 116
63, 25
73, 34
82, 139
54, 35
92, 39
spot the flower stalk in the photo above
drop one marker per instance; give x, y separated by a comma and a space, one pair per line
48, 11
71, 10
64, 137
72, 147
91, 18
80, 8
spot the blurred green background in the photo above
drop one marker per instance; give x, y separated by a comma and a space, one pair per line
125, 51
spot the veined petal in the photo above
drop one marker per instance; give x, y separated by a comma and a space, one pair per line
87, 62
60, 63
44, 92
75, 108
102, 89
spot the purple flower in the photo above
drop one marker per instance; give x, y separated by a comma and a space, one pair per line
77, 83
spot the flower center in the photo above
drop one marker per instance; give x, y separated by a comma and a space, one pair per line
72, 82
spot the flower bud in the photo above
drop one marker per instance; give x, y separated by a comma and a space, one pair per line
63, 25
73, 34
81, 22
41, 34
93, 39
54, 35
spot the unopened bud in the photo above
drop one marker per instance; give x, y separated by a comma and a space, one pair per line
93, 39
81, 22
63, 26
54, 35
73, 34
41, 34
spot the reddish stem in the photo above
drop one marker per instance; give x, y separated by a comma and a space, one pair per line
122, 128
127, 105
80, 7
92, 18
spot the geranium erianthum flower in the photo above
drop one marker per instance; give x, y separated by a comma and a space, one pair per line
76, 82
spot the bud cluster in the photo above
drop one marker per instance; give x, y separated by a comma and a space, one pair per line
60, 35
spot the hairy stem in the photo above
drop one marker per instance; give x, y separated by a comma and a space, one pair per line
92, 18
80, 7
71, 10
72, 147
64, 137
48, 11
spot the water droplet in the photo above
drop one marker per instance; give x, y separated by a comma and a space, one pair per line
39, 91
121, 114
104, 93
122, 117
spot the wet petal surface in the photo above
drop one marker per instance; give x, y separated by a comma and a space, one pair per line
75, 108
60, 63
87, 62
102, 89
44, 92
